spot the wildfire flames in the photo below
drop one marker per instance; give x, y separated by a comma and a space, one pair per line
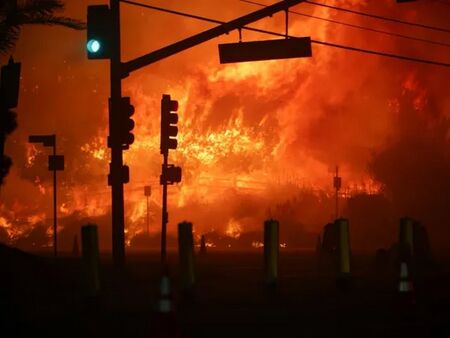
256, 140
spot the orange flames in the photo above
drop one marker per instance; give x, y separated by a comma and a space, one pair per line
233, 229
252, 131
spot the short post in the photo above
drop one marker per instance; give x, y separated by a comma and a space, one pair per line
271, 251
90, 252
186, 256
406, 238
342, 225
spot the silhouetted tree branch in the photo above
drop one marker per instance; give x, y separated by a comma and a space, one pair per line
16, 13
13, 15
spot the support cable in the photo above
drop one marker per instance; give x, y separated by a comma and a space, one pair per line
369, 29
324, 43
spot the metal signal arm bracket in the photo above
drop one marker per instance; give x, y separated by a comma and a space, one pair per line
157, 55
286, 13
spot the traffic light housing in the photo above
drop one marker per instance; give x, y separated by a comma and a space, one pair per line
9, 97
124, 174
125, 124
99, 32
169, 119
9, 85
170, 174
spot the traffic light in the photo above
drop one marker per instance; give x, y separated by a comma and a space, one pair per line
99, 32
124, 174
9, 85
9, 96
170, 174
169, 119
125, 123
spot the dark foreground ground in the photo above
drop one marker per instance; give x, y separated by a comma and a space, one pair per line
41, 297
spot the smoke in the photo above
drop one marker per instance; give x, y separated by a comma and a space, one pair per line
252, 135
415, 166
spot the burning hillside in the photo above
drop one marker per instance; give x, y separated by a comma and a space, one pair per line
256, 140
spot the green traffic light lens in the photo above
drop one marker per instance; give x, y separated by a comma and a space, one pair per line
93, 46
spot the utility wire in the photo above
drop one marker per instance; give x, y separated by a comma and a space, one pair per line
324, 43
359, 27
374, 16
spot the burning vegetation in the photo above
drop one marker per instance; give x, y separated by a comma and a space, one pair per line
256, 140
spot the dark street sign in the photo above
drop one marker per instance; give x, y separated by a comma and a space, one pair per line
265, 50
147, 190
46, 140
56, 162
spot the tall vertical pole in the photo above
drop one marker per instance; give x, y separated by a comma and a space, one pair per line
148, 221
165, 216
55, 232
147, 193
116, 180
336, 193
2, 147
337, 182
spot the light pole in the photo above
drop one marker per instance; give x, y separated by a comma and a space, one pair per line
55, 163
337, 182
147, 193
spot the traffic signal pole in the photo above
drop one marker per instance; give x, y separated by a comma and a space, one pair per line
207, 35
337, 182
170, 174
165, 214
148, 220
116, 179
55, 221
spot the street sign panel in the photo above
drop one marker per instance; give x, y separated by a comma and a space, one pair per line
265, 50
147, 190
46, 140
56, 162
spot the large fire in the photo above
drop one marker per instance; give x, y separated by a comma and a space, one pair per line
256, 140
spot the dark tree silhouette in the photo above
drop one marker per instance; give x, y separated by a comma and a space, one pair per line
16, 13
13, 15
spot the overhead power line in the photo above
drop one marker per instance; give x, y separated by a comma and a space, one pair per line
359, 27
374, 16
324, 43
